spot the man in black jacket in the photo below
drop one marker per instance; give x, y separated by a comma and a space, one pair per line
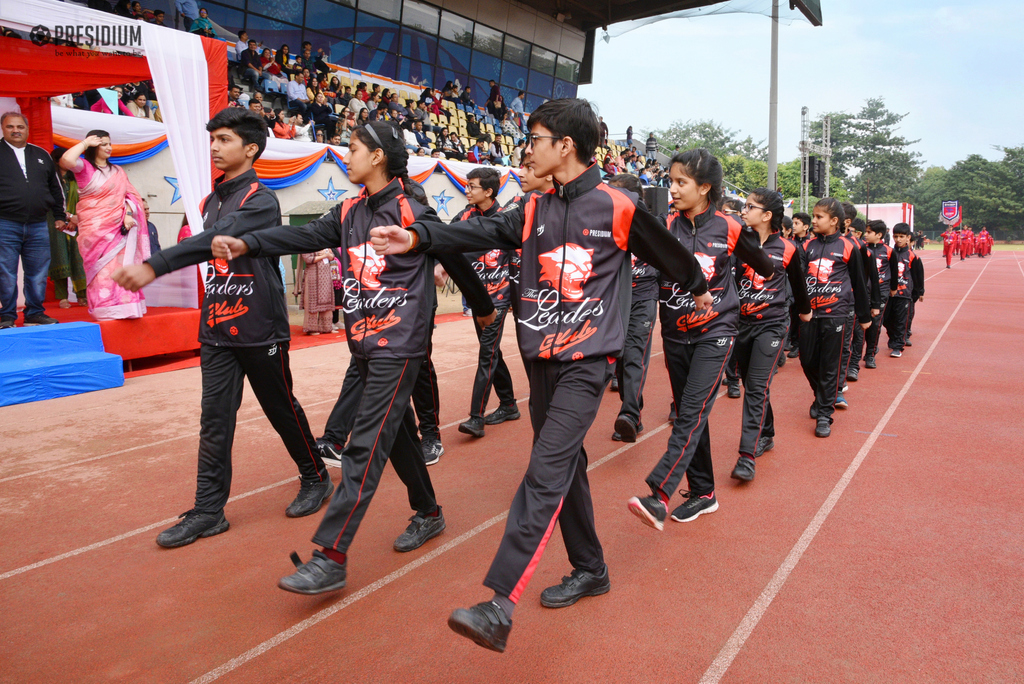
29, 187
243, 330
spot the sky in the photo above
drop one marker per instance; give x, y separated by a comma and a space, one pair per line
956, 69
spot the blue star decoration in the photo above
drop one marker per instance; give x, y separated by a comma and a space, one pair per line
331, 194
174, 184
442, 202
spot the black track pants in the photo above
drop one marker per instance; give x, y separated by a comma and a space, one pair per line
758, 348
491, 368
636, 357
794, 328
271, 380
385, 427
564, 399
897, 320
848, 336
871, 334
821, 356
732, 371
857, 352
695, 371
425, 397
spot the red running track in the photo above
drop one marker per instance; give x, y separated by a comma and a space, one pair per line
889, 552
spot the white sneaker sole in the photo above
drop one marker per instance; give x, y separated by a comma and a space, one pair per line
710, 509
637, 509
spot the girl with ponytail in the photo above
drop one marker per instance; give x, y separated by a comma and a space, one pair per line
388, 306
764, 324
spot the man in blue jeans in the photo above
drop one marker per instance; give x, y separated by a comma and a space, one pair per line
29, 188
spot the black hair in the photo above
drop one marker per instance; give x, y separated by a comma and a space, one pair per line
787, 222
850, 211
772, 201
876, 226
901, 229
489, 179
8, 115
90, 153
857, 224
834, 209
250, 127
703, 167
392, 142
804, 218
733, 203
626, 181
573, 118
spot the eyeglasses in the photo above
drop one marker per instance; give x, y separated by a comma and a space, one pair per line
532, 138
470, 186
749, 205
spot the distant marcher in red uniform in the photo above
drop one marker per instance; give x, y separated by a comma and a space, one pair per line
950, 245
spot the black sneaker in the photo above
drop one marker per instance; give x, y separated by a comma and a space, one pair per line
485, 623
626, 428
694, 506
841, 402
672, 413
7, 322
329, 452
764, 444
782, 361
870, 362
908, 343
895, 353
319, 575
824, 427
616, 437
744, 469
473, 426
793, 353
40, 319
193, 526
310, 498
501, 414
578, 584
851, 375
420, 531
614, 386
432, 450
813, 411
734, 391
649, 509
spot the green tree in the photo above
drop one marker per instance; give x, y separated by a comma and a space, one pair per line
720, 141
789, 184
987, 193
745, 173
927, 195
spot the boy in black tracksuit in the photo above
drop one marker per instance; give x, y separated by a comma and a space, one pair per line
905, 290
631, 368
697, 344
243, 332
764, 325
573, 304
492, 266
835, 284
853, 352
801, 233
886, 267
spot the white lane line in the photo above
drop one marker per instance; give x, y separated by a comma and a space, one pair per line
739, 637
322, 615
127, 535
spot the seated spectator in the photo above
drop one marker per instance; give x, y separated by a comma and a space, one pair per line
356, 104
497, 156
466, 98
251, 65
609, 166
361, 92
410, 140
336, 140
283, 59
422, 152
323, 115
203, 26
123, 9
380, 113
518, 151
242, 44
333, 90
236, 98
139, 107
320, 137
271, 69
136, 10
343, 132
298, 100
396, 106
344, 98
421, 138
348, 117
481, 152
472, 126
363, 117
437, 154
284, 128
158, 17
270, 116
303, 131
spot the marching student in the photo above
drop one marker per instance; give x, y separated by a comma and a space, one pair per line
885, 265
985, 241
835, 284
697, 344
853, 354
799, 236
764, 324
950, 245
964, 242
387, 309
492, 267
631, 368
573, 293
906, 289
244, 332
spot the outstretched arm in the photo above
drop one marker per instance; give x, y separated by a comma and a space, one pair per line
651, 242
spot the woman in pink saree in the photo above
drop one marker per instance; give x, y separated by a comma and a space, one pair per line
111, 227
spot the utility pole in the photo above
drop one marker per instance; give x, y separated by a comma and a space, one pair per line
773, 104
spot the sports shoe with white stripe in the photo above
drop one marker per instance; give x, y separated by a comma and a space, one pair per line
329, 452
432, 450
694, 506
649, 509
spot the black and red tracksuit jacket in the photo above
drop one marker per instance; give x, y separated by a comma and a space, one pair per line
909, 274
835, 278
870, 270
713, 238
884, 264
244, 304
492, 265
387, 301
573, 295
763, 300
